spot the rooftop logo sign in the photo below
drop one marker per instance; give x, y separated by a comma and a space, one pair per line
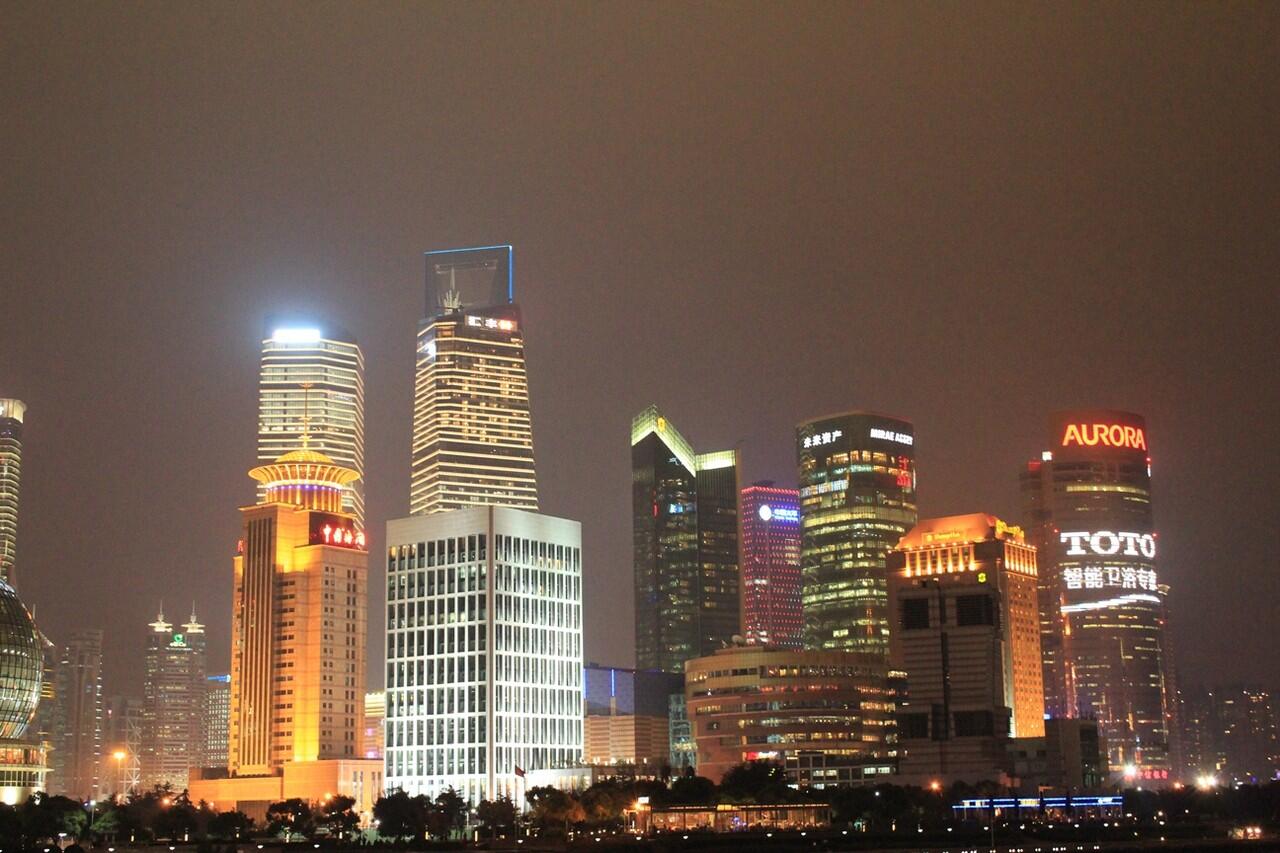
1105, 435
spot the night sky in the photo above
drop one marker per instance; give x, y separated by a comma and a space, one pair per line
748, 214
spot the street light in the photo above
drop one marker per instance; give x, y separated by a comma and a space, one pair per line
119, 755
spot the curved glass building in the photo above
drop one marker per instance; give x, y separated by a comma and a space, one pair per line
22, 764
857, 499
1102, 606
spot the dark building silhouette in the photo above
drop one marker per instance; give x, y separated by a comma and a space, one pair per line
685, 525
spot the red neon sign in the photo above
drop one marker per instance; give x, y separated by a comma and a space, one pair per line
1106, 435
334, 530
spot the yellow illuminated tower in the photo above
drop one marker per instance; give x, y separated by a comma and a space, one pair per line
298, 647
472, 431
298, 643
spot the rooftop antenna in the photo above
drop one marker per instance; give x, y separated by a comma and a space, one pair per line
451, 300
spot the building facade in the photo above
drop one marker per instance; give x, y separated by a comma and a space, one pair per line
1102, 608
375, 724
217, 721
12, 415
685, 538
826, 716
472, 428
299, 616
311, 380
1231, 734
22, 757
77, 743
857, 499
772, 613
298, 645
626, 719
173, 703
966, 631
484, 650
121, 765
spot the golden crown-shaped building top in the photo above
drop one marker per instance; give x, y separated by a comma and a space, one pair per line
305, 478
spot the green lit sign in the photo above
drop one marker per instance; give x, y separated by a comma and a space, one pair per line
178, 640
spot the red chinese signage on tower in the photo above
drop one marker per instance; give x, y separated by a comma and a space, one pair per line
329, 529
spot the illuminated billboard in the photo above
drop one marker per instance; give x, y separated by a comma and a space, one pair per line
1090, 433
480, 277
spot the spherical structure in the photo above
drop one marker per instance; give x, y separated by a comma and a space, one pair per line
20, 665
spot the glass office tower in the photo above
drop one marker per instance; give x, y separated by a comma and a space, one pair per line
12, 413
1103, 610
316, 374
685, 537
173, 703
484, 650
472, 429
857, 499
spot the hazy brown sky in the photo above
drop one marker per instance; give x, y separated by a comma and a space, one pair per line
968, 215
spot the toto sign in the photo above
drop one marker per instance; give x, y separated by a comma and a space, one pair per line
1105, 543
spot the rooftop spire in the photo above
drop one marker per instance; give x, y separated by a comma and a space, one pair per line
193, 625
160, 626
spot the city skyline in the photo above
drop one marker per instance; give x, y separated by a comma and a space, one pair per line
1148, 310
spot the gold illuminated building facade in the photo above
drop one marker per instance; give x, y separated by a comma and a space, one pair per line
966, 631
298, 643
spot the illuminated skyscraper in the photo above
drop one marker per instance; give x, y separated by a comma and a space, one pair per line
1102, 608
472, 431
12, 413
173, 703
684, 510
857, 499
217, 720
317, 375
771, 606
484, 650
77, 742
966, 631
298, 642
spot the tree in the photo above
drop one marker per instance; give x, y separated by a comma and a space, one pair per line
454, 808
44, 816
606, 800
289, 818
229, 826
762, 782
553, 807
337, 817
495, 815
690, 790
400, 815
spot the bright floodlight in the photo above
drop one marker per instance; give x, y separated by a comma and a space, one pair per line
296, 336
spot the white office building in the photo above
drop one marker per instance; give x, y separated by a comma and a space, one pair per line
484, 650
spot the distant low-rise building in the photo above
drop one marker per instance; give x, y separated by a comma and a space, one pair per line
626, 719
375, 724
827, 716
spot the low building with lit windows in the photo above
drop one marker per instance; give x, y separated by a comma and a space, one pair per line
826, 716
